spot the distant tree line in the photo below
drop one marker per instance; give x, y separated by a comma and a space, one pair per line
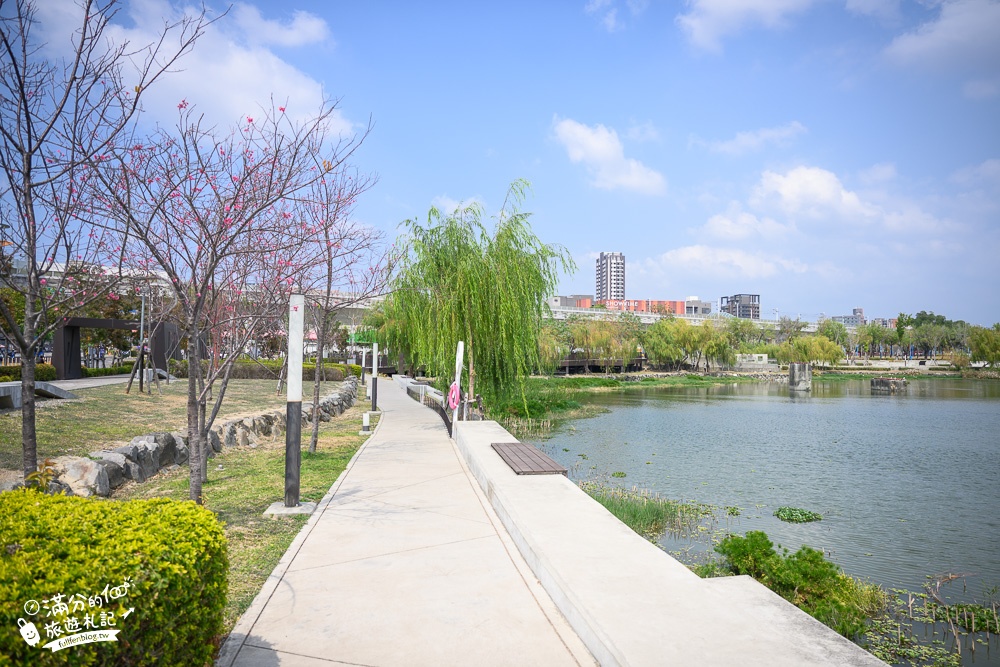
674, 343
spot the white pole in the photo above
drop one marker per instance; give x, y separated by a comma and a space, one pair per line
374, 377
368, 385
296, 319
458, 381
293, 419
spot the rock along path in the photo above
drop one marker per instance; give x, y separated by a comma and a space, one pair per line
403, 563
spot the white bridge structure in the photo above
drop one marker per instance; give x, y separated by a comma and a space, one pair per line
352, 315
565, 312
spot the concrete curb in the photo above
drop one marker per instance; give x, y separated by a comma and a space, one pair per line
600, 645
630, 602
244, 626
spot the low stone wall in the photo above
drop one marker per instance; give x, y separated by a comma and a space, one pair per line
146, 455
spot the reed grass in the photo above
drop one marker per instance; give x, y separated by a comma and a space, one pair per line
647, 513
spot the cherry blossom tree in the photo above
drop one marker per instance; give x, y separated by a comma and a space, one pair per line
353, 265
56, 114
214, 213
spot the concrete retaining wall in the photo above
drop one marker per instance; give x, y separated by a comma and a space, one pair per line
631, 602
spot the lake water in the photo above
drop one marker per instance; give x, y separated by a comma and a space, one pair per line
908, 484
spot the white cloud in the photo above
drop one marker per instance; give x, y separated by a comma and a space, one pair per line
601, 151
304, 28
815, 203
607, 11
710, 260
737, 224
884, 9
814, 193
984, 173
911, 219
878, 173
447, 205
229, 74
708, 21
642, 132
981, 89
963, 36
745, 142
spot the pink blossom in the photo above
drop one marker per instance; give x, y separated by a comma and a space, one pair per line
281, 109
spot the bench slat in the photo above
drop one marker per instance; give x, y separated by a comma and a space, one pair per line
524, 459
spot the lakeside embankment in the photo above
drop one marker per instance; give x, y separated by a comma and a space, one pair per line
873, 465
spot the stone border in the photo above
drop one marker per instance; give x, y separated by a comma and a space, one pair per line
146, 455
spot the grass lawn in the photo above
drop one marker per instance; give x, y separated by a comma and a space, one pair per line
107, 415
243, 482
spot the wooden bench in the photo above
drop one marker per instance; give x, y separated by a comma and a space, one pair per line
524, 459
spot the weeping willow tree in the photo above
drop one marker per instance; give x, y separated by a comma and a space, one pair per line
462, 281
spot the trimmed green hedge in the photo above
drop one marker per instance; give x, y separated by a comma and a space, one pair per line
171, 553
47, 372
43, 372
268, 370
110, 370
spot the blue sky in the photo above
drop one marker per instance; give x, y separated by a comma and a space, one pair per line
824, 154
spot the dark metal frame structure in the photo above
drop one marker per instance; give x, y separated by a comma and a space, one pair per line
66, 343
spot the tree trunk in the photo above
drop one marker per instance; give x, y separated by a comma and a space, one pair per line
472, 369
29, 435
195, 444
314, 437
29, 439
206, 442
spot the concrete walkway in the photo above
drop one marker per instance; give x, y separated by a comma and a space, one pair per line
403, 563
88, 383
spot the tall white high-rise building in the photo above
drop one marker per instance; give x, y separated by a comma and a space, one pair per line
610, 276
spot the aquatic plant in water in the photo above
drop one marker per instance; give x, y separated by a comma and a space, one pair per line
647, 513
797, 515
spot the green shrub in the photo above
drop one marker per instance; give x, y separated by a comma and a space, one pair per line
268, 369
168, 556
806, 579
43, 372
102, 372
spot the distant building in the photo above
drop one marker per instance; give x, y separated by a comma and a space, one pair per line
644, 306
610, 276
695, 306
746, 306
884, 322
855, 319
572, 301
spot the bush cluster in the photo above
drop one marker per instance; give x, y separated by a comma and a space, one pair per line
164, 559
270, 370
806, 579
110, 370
43, 372
47, 372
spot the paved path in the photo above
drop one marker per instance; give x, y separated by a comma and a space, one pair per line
404, 563
87, 383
